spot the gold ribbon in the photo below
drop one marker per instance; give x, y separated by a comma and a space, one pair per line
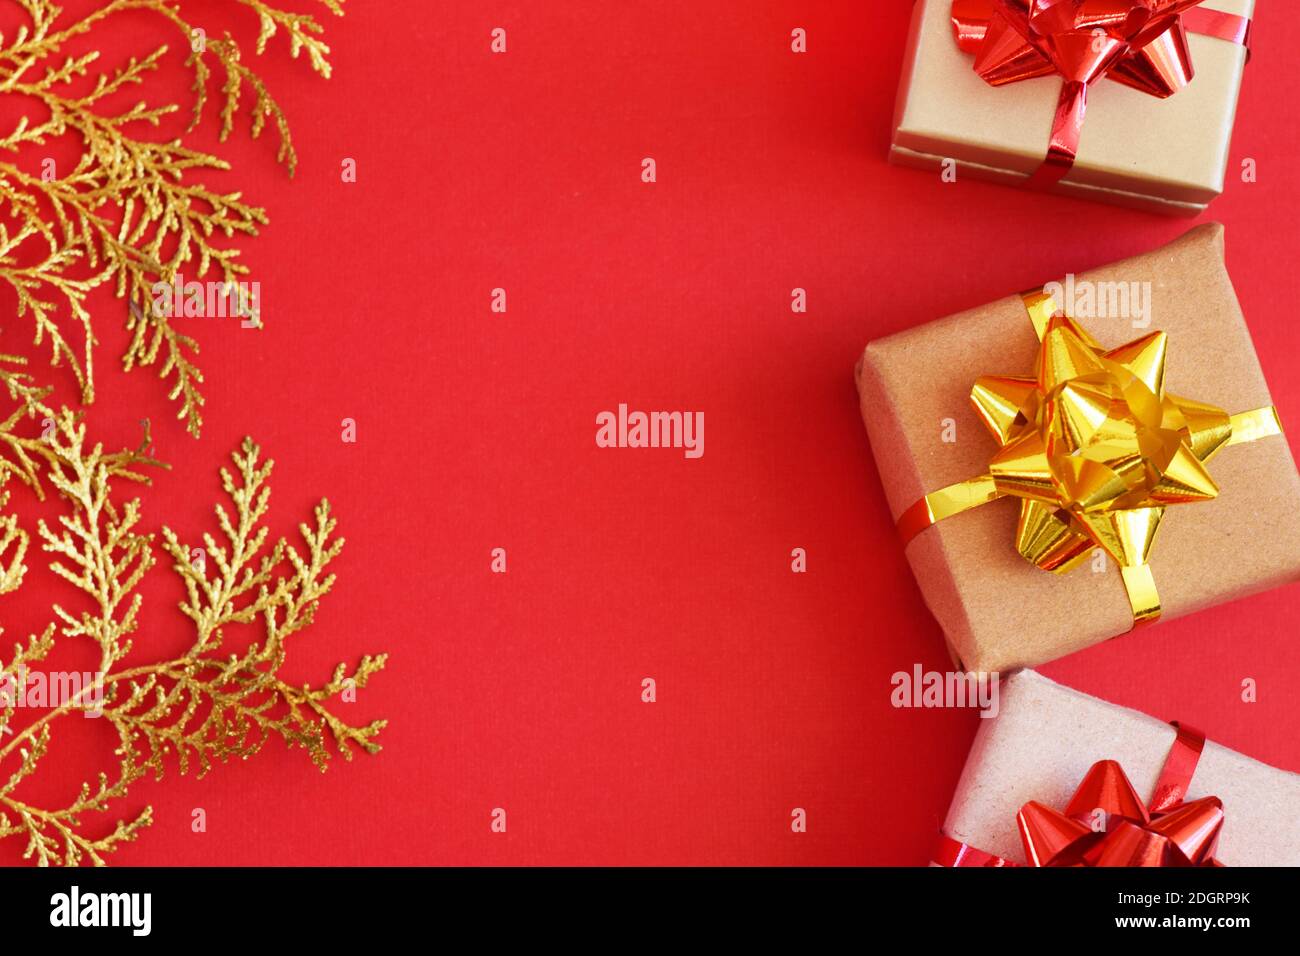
1095, 449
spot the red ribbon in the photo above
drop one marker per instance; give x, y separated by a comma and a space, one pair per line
1169, 832
1140, 43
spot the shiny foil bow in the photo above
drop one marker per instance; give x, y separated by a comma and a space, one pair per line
1140, 43
1095, 449
1170, 832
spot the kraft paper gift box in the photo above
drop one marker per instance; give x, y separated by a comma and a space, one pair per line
998, 611
1163, 155
1044, 739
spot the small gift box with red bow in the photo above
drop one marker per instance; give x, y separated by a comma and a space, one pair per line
1059, 778
1123, 101
1069, 463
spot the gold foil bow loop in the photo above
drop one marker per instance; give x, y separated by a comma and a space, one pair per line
1096, 450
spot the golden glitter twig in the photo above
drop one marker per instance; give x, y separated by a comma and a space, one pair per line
193, 710
130, 212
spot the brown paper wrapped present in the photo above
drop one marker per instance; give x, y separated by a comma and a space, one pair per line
1165, 155
1045, 738
997, 610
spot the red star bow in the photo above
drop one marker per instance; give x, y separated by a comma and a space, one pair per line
1170, 832
1140, 43
1133, 836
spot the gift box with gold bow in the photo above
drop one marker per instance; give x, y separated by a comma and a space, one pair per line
1059, 778
1070, 463
1123, 101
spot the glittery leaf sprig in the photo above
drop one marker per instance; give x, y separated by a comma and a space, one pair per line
132, 211
206, 706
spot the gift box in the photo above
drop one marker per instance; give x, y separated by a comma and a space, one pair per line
999, 611
1046, 739
1164, 153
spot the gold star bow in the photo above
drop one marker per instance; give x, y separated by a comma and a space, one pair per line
1095, 449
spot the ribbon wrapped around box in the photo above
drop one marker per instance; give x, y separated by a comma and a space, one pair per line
1123, 101
1132, 449
1059, 778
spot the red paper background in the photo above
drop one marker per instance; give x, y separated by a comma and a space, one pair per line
476, 430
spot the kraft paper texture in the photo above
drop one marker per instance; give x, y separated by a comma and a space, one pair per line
1163, 155
1046, 737
997, 610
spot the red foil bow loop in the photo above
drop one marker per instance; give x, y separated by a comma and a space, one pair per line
1140, 43
1107, 824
